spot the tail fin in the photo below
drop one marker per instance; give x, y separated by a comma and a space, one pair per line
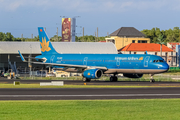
45, 44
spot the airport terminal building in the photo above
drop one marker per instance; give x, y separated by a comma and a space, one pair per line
9, 56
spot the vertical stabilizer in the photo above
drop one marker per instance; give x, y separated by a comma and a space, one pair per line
45, 44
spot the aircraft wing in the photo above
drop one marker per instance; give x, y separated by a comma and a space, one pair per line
23, 57
71, 65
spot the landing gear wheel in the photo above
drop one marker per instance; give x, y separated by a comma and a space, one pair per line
152, 80
86, 79
113, 79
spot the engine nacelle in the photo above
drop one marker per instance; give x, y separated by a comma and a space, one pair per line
92, 73
132, 75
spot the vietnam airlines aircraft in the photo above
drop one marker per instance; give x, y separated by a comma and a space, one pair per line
93, 66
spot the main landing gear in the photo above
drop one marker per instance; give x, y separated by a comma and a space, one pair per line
152, 79
86, 79
113, 78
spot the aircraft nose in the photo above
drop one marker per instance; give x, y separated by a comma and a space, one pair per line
165, 67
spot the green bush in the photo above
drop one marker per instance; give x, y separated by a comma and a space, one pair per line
174, 70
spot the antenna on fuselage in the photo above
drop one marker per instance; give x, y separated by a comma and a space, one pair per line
146, 53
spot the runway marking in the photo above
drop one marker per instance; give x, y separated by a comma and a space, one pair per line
108, 95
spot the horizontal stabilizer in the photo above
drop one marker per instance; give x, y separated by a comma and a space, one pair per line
22, 58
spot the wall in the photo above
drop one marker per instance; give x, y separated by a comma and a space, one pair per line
121, 42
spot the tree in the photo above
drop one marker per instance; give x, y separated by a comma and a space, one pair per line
9, 37
55, 38
17, 39
160, 41
36, 38
1, 36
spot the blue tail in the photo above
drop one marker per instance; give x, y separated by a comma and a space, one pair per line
45, 44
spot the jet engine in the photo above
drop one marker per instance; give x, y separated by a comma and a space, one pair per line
132, 75
92, 73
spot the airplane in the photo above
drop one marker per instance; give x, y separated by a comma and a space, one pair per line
93, 66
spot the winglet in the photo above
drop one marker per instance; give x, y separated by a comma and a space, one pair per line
22, 58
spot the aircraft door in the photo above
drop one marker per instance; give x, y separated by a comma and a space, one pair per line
85, 61
59, 59
146, 60
52, 58
117, 61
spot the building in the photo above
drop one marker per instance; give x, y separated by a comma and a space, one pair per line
173, 46
9, 52
126, 35
140, 48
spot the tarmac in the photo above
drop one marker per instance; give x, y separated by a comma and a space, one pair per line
87, 93
164, 90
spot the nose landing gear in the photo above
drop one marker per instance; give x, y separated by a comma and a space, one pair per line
86, 79
152, 79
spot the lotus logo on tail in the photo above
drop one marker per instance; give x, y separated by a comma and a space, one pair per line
45, 45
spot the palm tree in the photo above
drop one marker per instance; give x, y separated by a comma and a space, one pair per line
161, 41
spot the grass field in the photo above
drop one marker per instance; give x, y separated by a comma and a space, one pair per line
153, 109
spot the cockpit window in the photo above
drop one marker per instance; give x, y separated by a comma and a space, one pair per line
158, 61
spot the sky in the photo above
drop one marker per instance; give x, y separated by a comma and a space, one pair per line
24, 16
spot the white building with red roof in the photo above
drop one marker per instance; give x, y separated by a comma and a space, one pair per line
140, 48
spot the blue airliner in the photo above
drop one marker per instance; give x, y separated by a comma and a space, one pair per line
93, 66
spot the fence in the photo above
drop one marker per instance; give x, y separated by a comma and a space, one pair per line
171, 77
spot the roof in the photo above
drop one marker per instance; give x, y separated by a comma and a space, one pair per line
61, 47
128, 32
145, 47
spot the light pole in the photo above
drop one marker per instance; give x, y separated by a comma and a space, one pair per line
30, 60
79, 32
